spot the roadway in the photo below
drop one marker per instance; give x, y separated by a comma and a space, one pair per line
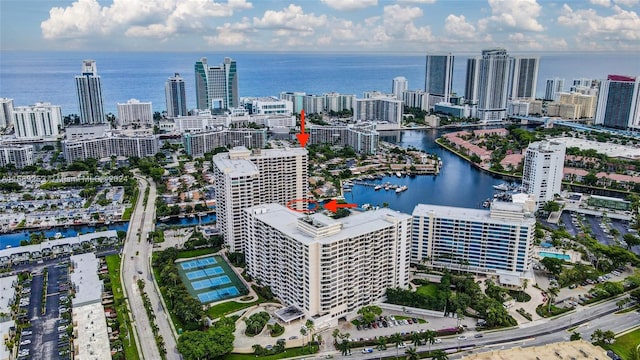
532, 334
136, 264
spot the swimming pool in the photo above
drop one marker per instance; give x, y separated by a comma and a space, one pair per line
555, 255
211, 282
193, 264
214, 295
196, 274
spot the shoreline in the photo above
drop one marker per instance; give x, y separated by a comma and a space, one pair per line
63, 226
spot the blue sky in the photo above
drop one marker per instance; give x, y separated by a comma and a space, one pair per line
408, 26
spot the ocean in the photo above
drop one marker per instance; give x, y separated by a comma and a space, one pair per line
29, 77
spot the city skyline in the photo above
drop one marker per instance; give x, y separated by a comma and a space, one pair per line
331, 25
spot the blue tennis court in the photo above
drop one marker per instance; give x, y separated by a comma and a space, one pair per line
196, 274
197, 263
211, 282
215, 295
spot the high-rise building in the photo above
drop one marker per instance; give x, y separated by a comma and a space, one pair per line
493, 82
37, 121
325, 267
245, 178
523, 77
297, 98
471, 81
17, 155
313, 104
197, 144
543, 170
363, 139
338, 102
89, 91
134, 112
175, 96
585, 105
216, 86
267, 106
399, 85
416, 99
103, 147
438, 78
619, 102
6, 112
385, 111
497, 242
554, 86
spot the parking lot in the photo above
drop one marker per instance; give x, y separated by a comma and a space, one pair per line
46, 336
600, 226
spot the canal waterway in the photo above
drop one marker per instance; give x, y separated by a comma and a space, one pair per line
13, 239
459, 184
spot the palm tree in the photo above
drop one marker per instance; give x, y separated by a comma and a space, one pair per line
344, 347
310, 328
382, 343
303, 332
416, 339
411, 353
335, 334
439, 355
397, 340
552, 292
597, 335
430, 337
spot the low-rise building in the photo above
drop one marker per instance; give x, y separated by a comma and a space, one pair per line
363, 139
118, 145
198, 143
579, 349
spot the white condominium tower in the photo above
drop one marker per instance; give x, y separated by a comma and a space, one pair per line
554, 87
523, 77
398, 86
216, 86
40, 120
6, 112
543, 169
89, 90
175, 96
438, 78
498, 241
329, 268
493, 81
134, 112
245, 178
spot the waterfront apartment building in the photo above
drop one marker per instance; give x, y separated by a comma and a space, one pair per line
438, 78
493, 83
619, 103
267, 106
543, 170
313, 104
37, 121
471, 80
498, 241
297, 98
6, 112
554, 87
18, 155
89, 92
523, 77
328, 268
216, 86
175, 95
364, 139
338, 102
134, 112
197, 144
385, 111
115, 145
399, 85
245, 178
416, 99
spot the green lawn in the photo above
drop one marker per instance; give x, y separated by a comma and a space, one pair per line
185, 254
624, 343
126, 215
428, 290
228, 307
293, 352
129, 344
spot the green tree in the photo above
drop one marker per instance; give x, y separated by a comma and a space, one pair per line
439, 355
397, 341
631, 240
369, 313
597, 336
430, 337
345, 347
416, 339
552, 265
382, 343
575, 336
411, 353
310, 329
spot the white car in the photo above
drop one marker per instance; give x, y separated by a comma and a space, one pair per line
462, 337
437, 341
25, 342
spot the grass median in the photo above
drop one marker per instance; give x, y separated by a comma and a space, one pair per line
128, 343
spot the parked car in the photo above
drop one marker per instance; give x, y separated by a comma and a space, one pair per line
367, 350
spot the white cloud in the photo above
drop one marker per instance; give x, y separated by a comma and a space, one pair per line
627, 3
399, 24
149, 18
623, 25
291, 18
519, 15
605, 3
418, 1
346, 5
458, 26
